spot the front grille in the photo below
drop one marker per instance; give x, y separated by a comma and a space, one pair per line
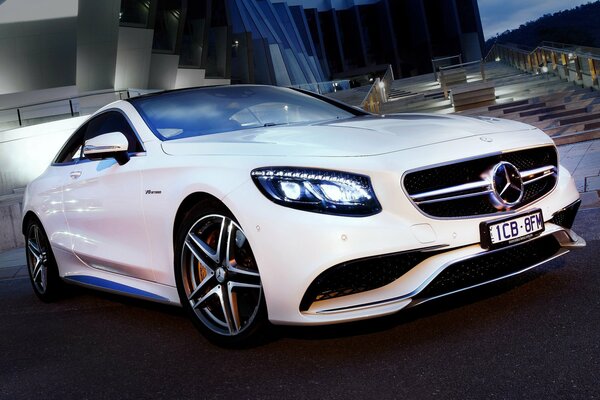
464, 188
490, 266
360, 276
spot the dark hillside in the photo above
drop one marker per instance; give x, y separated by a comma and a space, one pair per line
580, 25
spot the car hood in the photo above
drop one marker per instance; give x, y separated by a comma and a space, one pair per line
360, 136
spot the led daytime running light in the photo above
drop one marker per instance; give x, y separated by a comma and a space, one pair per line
330, 192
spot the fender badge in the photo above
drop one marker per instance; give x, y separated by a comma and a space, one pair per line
486, 139
153, 191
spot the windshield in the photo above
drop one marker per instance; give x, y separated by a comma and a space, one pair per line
207, 111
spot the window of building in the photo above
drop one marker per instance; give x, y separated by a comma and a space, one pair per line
134, 13
166, 25
194, 36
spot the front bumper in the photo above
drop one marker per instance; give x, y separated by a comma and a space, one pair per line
294, 247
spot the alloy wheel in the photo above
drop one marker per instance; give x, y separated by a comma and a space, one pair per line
220, 276
37, 255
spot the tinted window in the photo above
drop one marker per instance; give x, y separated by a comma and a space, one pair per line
71, 151
113, 121
207, 111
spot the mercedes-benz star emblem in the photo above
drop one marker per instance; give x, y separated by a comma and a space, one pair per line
507, 185
220, 275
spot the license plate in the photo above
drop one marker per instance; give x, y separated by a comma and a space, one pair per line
511, 230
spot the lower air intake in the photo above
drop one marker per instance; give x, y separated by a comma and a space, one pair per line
489, 266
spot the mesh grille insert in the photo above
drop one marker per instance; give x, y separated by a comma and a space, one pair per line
490, 266
360, 276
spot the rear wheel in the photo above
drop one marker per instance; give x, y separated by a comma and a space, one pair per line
43, 270
217, 276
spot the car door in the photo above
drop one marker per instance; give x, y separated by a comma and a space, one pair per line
102, 205
49, 201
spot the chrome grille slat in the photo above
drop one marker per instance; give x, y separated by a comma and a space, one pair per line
536, 165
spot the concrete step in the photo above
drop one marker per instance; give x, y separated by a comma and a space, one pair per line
554, 129
522, 108
506, 105
592, 125
566, 113
576, 137
542, 110
575, 120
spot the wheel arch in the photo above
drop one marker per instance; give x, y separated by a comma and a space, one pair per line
29, 216
187, 204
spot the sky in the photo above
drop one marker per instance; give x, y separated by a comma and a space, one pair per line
500, 15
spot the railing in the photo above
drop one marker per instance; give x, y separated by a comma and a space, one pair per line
31, 114
443, 82
325, 87
579, 64
379, 92
444, 62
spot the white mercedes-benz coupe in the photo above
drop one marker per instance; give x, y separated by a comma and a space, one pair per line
254, 204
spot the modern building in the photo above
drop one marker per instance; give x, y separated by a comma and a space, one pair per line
92, 45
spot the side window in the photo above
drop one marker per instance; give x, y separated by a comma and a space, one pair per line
113, 121
71, 151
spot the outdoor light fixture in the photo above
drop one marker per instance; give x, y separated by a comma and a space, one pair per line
498, 59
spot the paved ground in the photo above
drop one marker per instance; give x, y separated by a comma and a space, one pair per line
583, 161
534, 336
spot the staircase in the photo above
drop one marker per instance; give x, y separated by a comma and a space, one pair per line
566, 112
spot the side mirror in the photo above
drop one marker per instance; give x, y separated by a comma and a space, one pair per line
108, 145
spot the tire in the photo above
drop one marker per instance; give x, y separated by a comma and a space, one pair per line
217, 277
41, 264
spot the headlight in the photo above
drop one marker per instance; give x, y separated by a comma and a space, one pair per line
329, 192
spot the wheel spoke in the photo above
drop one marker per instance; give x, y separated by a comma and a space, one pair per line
225, 240
244, 272
201, 250
201, 285
37, 268
33, 248
228, 311
232, 296
44, 277
216, 291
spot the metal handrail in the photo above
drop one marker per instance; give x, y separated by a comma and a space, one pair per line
378, 92
434, 61
570, 62
70, 101
460, 65
67, 99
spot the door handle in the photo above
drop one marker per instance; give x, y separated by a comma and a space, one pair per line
75, 174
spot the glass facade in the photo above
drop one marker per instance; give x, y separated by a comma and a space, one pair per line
296, 42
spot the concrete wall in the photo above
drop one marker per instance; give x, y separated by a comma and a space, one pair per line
97, 38
163, 71
37, 54
10, 229
187, 77
134, 55
471, 46
26, 152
